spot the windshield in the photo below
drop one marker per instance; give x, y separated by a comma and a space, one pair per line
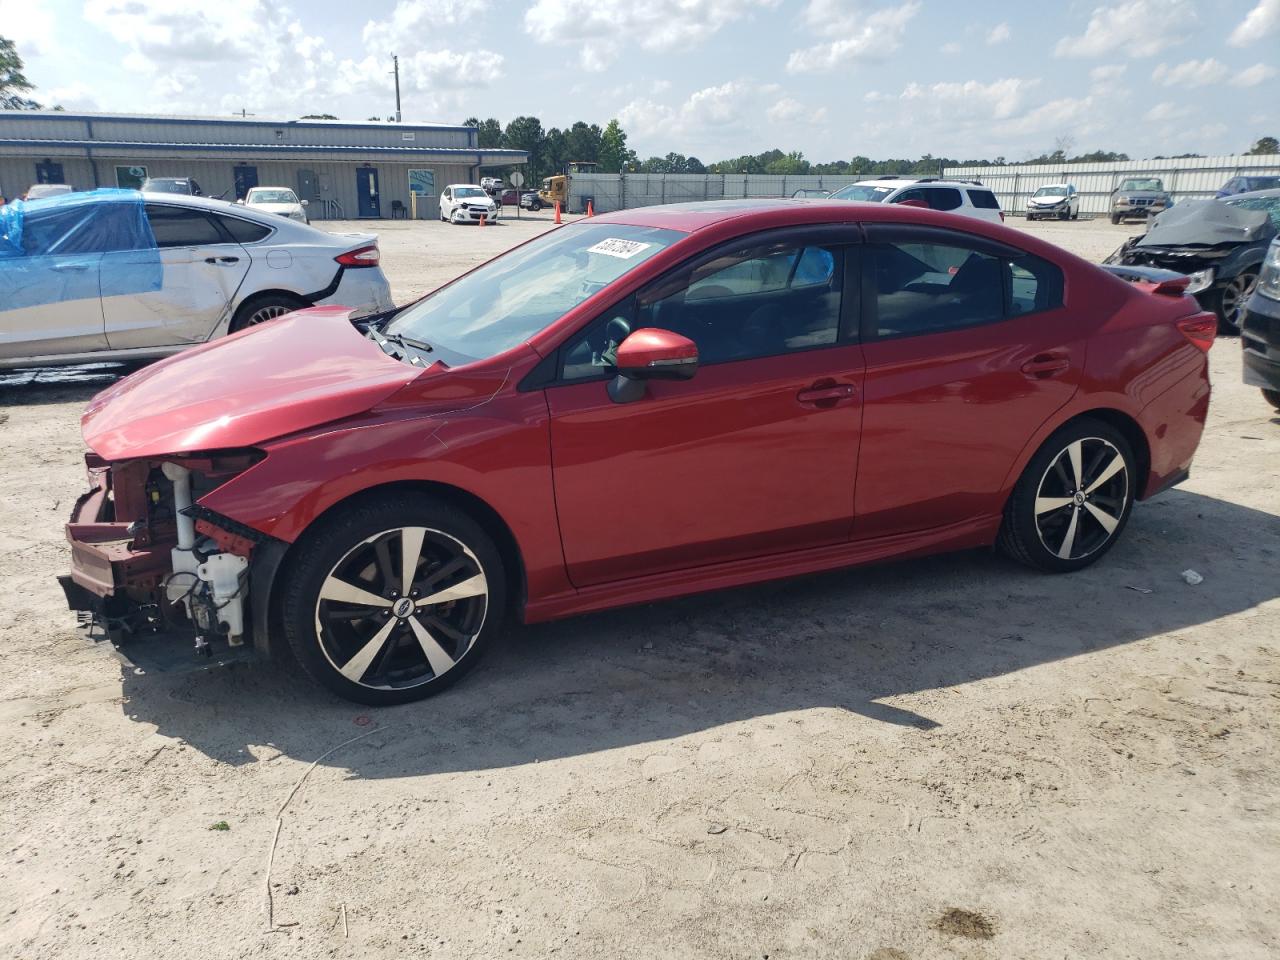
856, 191
464, 193
508, 300
271, 196
1270, 204
166, 186
1051, 192
1148, 183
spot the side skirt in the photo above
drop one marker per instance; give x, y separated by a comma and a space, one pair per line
967, 535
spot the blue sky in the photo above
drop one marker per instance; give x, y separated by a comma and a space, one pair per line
709, 78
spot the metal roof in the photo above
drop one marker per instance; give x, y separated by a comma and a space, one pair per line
514, 156
250, 119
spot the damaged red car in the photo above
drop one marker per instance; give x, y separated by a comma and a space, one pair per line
632, 407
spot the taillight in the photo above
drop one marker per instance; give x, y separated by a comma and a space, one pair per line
1200, 329
359, 257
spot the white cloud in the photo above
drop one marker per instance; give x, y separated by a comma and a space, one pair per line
1139, 28
1192, 73
999, 99
30, 27
1000, 33
790, 110
870, 38
1108, 72
1262, 21
1166, 110
1252, 76
73, 96
600, 28
951, 47
413, 21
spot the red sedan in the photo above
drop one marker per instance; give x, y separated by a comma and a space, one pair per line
634, 407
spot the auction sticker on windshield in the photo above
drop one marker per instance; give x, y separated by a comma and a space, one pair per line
622, 249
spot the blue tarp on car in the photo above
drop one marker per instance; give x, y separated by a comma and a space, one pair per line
55, 250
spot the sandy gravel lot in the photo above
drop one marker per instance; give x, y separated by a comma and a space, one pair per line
948, 758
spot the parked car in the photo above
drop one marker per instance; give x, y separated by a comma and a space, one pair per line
467, 203
1218, 243
186, 186
511, 196
281, 201
1260, 329
1248, 185
122, 275
968, 198
41, 191
647, 404
1139, 197
808, 193
1057, 200
491, 184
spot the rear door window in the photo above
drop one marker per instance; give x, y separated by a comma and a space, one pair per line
983, 199
182, 226
943, 198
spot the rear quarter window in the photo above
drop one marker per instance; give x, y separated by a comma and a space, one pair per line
242, 231
984, 199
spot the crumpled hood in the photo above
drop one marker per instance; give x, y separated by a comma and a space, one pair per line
1046, 201
283, 209
1207, 223
298, 371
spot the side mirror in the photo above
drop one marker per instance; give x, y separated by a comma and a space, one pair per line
651, 354
306, 203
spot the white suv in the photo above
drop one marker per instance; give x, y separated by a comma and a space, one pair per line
969, 198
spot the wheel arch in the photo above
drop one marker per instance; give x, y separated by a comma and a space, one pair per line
275, 566
1124, 422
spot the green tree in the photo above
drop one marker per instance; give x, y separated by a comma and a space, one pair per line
13, 83
557, 150
582, 141
613, 148
1265, 146
525, 133
489, 132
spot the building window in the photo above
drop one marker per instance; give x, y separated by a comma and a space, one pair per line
280, 135
130, 178
407, 135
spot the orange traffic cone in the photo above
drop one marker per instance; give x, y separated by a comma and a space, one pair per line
557, 211
590, 209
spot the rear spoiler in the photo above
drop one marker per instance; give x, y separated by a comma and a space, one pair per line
1166, 282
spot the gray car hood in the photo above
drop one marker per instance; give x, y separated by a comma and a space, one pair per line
1207, 223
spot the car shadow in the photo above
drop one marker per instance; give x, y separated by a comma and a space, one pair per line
41, 385
850, 640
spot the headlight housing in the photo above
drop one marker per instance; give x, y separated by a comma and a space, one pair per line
1269, 278
1201, 280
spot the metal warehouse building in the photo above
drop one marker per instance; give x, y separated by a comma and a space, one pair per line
345, 170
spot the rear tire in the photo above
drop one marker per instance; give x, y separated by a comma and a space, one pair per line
263, 307
342, 598
1228, 301
1272, 397
1073, 499
1116, 218
535, 205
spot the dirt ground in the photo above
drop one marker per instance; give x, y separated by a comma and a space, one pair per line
947, 758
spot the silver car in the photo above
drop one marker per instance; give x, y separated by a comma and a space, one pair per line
119, 275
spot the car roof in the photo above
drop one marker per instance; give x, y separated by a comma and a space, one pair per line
762, 214
262, 187
1269, 194
452, 185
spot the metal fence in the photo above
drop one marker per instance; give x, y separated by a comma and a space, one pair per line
1186, 179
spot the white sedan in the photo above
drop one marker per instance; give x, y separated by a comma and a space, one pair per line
118, 275
281, 201
467, 203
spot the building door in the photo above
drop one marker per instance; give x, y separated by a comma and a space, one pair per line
246, 179
48, 171
307, 187
367, 191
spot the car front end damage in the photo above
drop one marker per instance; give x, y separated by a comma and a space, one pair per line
148, 562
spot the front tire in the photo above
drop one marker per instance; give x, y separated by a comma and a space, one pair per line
1116, 218
1073, 499
1272, 397
393, 600
1228, 300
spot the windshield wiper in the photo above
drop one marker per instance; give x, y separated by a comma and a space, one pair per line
405, 344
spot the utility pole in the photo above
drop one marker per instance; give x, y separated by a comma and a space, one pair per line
395, 64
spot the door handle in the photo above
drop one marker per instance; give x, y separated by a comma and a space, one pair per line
71, 267
222, 260
826, 393
1045, 365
